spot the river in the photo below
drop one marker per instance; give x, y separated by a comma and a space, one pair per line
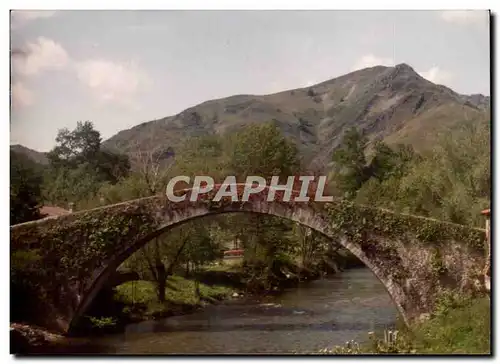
306, 319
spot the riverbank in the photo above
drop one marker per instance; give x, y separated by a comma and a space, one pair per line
29, 340
141, 301
302, 319
136, 301
459, 326
128, 303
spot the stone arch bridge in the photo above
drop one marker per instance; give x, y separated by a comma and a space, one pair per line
61, 263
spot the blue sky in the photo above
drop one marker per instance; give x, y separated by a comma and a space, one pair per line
121, 68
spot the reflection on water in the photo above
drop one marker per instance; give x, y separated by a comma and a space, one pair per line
313, 316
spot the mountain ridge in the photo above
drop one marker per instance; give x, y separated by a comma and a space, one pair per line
394, 104
35, 156
380, 100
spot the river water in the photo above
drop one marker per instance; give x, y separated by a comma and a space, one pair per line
316, 315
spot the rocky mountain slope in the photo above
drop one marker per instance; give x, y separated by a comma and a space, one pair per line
394, 104
391, 103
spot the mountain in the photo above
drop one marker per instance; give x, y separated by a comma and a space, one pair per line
394, 104
38, 157
478, 100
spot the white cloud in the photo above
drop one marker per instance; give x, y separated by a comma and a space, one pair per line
44, 54
437, 75
110, 81
21, 96
369, 60
466, 17
20, 17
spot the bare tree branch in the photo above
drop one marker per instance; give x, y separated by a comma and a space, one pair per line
153, 165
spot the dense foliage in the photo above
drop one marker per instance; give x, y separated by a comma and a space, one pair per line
78, 167
25, 189
450, 182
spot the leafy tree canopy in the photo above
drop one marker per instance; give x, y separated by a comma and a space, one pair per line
25, 189
350, 161
83, 146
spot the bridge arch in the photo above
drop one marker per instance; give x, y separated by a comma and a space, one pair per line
304, 215
80, 251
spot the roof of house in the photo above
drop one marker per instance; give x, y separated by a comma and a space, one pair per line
53, 211
486, 212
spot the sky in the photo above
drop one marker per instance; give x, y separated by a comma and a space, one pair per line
119, 69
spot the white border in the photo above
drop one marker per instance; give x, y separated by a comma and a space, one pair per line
200, 4
254, 5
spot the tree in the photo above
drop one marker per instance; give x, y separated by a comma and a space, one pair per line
130, 188
388, 162
78, 167
308, 244
83, 146
25, 189
202, 156
262, 150
183, 245
453, 181
111, 167
189, 244
153, 166
350, 162
383, 162
255, 150
78, 185
200, 250
76, 147
450, 182
157, 260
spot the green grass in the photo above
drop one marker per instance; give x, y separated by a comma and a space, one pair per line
228, 265
141, 301
462, 328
